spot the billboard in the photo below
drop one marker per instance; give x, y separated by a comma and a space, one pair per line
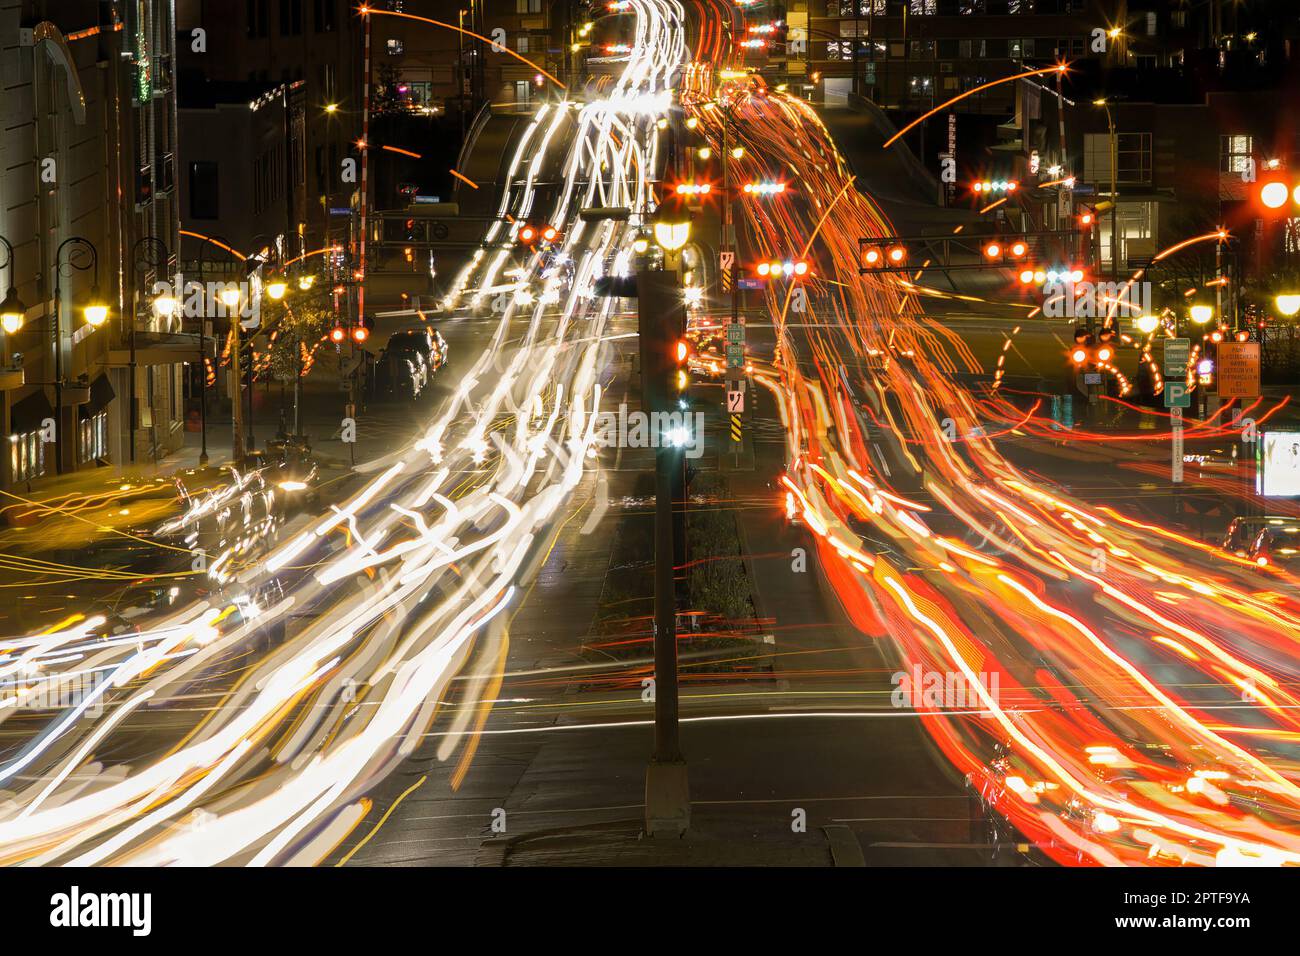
1280, 464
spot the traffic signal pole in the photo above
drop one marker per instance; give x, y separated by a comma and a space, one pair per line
662, 321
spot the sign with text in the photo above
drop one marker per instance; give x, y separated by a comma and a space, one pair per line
1239, 369
1177, 353
1177, 395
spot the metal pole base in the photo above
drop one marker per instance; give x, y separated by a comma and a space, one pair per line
667, 798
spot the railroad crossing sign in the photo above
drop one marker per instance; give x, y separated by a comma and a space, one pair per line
735, 401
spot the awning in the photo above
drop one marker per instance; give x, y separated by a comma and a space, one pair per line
101, 393
28, 414
161, 348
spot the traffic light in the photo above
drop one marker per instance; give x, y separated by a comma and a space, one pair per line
682, 356
763, 189
1092, 349
1105, 346
987, 187
530, 234
361, 331
1087, 217
789, 269
694, 189
338, 334
896, 255
996, 250
663, 347
1277, 196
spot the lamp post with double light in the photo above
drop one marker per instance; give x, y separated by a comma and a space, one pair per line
83, 257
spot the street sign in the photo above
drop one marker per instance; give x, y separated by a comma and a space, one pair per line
726, 261
1239, 369
1177, 396
1092, 378
735, 356
750, 283
735, 401
735, 334
1177, 354
1176, 443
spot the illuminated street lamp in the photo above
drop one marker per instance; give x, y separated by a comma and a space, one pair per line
1201, 314
305, 282
1288, 303
229, 297
164, 306
276, 289
672, 236
12, 309
1147, 324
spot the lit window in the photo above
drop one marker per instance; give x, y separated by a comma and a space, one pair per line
394, 47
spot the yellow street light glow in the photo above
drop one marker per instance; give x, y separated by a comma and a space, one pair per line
692, 122
1288, 303
164, 305
1201, 314
1147, 324
672, 235
229, 298
11, 321
305, 282
705, 152
738, 152
277, 289
331, 107
96, 314
640, 244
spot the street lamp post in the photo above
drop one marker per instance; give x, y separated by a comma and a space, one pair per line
82, 258
151, 253
1114, 189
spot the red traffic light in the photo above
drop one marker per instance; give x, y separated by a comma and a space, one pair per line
992, 250
549, 233
874, 256
527, 234
1018, 249
338, 334
683, 351
897, 254
1079, 356
360, 333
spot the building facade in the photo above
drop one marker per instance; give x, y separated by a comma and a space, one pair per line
88, 205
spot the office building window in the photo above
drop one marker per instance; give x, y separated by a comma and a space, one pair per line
528, 6
1234, 154
922, 50
1133, 159
395, 47
325, 16
256, 17
922, 8
204, 197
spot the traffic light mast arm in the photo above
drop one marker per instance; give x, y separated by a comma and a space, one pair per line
941, 249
